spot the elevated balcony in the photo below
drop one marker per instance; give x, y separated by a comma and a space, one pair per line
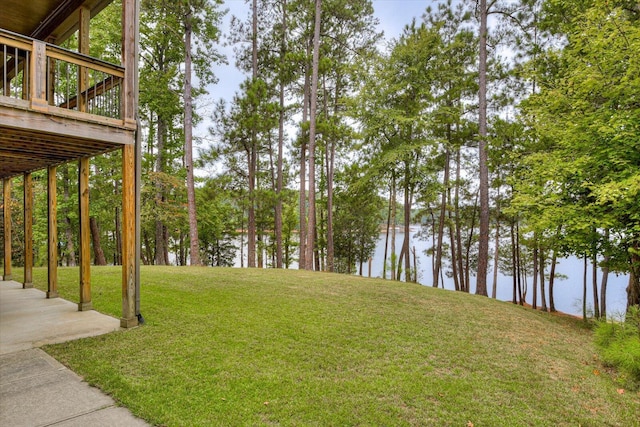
56, 105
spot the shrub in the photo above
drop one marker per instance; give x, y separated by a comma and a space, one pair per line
619, 346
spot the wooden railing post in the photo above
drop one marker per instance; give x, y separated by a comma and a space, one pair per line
39, 71
83, 47
6, 194
52, 215
85, 250
28, 231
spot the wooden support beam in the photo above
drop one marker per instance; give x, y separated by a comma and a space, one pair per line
83, 47
39, 76
129, 318
28, 231
85, 236
6, 194
129, 60
52, 215
130, 213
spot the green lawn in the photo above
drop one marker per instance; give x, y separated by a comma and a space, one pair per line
227, 347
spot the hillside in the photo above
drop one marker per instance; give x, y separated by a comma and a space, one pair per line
268, 347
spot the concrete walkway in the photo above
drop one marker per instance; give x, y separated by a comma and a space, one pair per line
35, 389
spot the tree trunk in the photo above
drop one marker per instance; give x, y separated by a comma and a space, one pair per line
584, 289
467, 259
311, 228
633, 289
483, 240
330, 176
594, 282
161, 244
496, 250
407, 224
386, 239
393, 226
98, 253
253, 149
118, 225
279, 185
302, 262
603, 288
117, 259
443, 210
543, 298
188, 146
464, 284
534, 303
521, 295
552, 279
514, 271
70, 249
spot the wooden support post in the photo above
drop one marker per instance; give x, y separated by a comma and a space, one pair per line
83, 47
129, 60
52, 215
28, 231
39, 77
6, 194
129, 318
130, 213
85, 236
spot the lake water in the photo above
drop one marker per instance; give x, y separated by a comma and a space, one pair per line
567, 292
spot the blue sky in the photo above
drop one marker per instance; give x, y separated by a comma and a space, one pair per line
392, 14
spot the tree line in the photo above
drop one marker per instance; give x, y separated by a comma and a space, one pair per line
509, 130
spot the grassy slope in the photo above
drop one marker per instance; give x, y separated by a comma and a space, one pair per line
267, 347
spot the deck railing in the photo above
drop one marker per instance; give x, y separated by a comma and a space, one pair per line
48, 78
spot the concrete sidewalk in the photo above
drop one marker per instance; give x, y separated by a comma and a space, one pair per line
35, 389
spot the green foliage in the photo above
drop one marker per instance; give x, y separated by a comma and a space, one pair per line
619, 347
357, 219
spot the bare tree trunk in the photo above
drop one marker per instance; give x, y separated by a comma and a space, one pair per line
514, 271
464, 284
594, 281
521, 295
415, 266
386, 239
161, 244
407, 224
188, 146
552, 279
312, 137
70, 247
118, 257
543, 298
443, 211
633, 288
496, 250
483, 241
534, 303
98, 253
330, 177
302, 263
467, 259
605, 279
279, 185
584, 289
253, 149
393, 226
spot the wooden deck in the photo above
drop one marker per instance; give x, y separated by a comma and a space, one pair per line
56, 105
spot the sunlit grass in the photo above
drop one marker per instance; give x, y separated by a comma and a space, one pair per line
268, 347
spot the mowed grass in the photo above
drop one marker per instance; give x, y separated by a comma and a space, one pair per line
235, 347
